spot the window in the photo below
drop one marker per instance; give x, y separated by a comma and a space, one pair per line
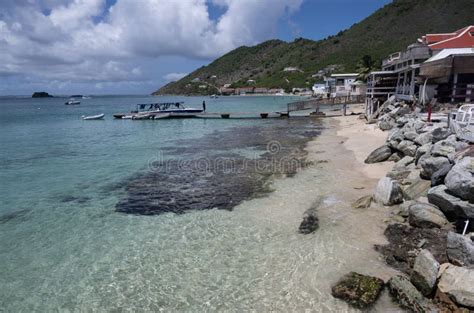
471, 33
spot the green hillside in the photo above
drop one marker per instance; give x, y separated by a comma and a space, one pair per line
388, 30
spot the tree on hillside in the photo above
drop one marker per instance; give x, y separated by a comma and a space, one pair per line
364, 67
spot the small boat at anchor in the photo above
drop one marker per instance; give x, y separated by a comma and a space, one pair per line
161, 110
93, 117
72, 101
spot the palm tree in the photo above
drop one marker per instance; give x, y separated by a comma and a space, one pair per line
364, 67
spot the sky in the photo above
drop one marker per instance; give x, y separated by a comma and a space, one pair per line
135, 46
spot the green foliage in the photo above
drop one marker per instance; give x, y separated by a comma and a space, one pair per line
390, 29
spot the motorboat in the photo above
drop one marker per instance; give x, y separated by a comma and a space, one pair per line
93, 117
72, 101
162, 110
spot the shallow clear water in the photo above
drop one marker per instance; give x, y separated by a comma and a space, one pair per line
64, 246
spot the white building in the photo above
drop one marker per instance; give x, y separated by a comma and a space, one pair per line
319, 89
341, 84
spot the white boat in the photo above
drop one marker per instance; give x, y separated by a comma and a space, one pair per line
72, 101
93, 117
462, 122
162, 110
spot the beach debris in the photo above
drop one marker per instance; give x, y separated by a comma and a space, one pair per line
310, 221
458, 283
425, 215
403, 291
403, 238
388, 192
363, 202
358, 290
460, 250
379, 155
425, 272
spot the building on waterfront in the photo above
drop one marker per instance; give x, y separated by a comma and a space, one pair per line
340, 85
409, 75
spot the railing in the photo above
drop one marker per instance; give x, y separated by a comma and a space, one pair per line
315, 103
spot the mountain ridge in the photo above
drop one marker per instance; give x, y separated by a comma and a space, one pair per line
387, 30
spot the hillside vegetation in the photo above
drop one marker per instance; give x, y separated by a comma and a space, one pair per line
388, 30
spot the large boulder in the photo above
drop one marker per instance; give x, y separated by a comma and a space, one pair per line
358, 290
425, 272
438, 177
423, 139
458, 283
407, 148
440, 134
388, 192
418, 188
432, 164
410, 135
403, 291
379, 155
460, 250
450, 205
424, 150
386, 122
445, 148
425, 215
460, 180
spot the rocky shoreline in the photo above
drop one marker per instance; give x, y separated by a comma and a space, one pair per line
429, 195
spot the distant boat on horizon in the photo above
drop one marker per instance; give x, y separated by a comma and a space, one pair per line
72, 101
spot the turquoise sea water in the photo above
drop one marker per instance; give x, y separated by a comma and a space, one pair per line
64, 246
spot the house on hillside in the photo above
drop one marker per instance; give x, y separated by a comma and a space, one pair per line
292, 69
437, 66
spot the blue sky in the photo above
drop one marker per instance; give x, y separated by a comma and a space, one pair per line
134, 47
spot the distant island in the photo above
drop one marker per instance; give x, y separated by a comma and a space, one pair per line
276, 64
41, 94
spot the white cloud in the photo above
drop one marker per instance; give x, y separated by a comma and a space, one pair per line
83, 40
174, 76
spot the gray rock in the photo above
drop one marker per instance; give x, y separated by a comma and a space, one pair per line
438, 177
423, 150
386, 123
395, 134
379, 155
395, 157
444, 148
460, 250
363, 202
430, 165
418, 125
388, 192
423, 139
410, 135
418, 188
460, 180
404, 207
407, 147
425, 272
403, 291
425, 215
440, 134
449, 204
404, 162
458, 282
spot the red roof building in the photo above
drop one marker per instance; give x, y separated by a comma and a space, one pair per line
463, 38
